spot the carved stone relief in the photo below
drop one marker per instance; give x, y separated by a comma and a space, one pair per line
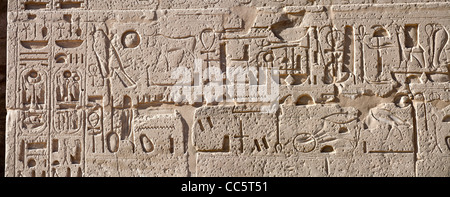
218, 88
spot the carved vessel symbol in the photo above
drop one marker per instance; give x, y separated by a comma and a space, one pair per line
69, 43
35, 44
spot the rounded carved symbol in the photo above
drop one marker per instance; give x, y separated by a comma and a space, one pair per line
93, 119
67, 74
268, 57
208, 38
93, 69
304, 142
113, 142
31, 163
33, 77
131, 39
147, 144
76, 77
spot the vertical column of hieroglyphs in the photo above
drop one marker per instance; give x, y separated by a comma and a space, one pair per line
69, 30
30, 123
46, 68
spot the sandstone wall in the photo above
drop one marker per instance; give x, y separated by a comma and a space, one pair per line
3, 25
228, 88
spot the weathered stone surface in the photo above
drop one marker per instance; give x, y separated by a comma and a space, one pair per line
3, 30
227, 88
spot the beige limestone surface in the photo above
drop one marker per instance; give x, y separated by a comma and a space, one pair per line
228, 88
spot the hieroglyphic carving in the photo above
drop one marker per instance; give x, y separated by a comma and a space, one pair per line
94, 126
109, 61
33, 89
154, 146
32, 158
233, 132
392, 124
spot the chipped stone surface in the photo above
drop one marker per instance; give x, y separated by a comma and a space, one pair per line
228, 88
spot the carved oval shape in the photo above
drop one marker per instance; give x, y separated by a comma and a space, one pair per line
327, 149
147, 144
208, 38
305, 100
268, 57
361, 30
304, 142
131, 39
44, 32
31, 163
93, 119
113, 142
93, 69
55, 163
78, 32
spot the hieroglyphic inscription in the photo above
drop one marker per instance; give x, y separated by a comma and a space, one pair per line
218, 88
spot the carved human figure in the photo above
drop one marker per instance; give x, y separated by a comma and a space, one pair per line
75, 92
34, 89
108, 59
68, 87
